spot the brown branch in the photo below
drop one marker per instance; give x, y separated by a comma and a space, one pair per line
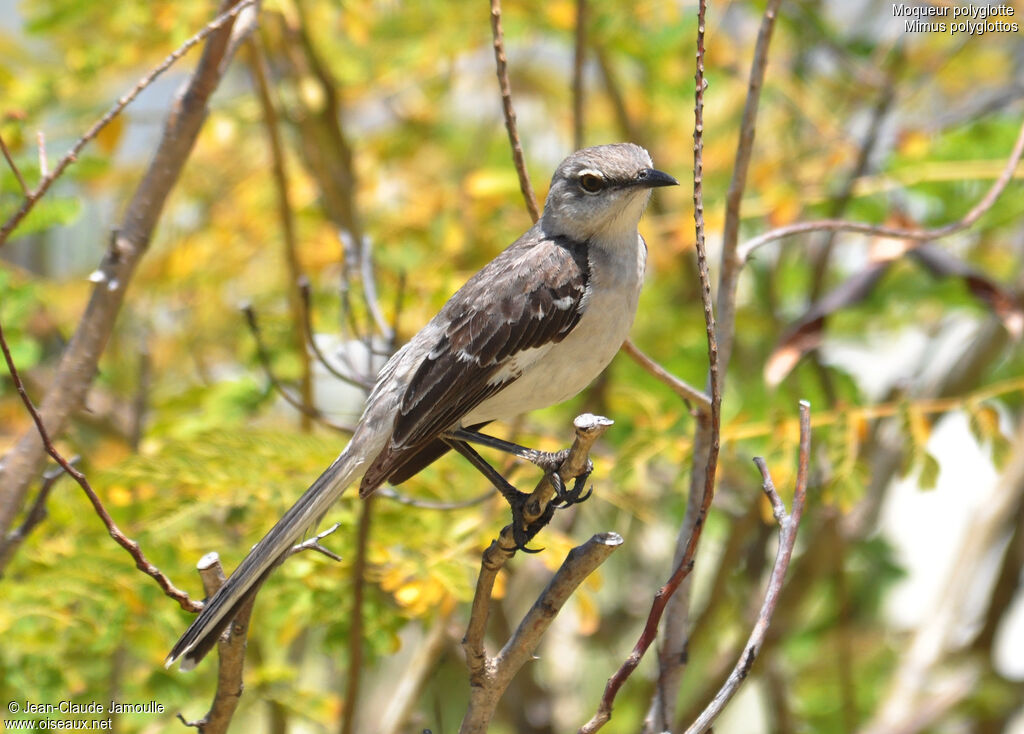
731, 263
392, 494
356, 621
78, 365
788, 525
307, 310
36, 513
263, 357
709, 423
490, 682
31, 198
679, 387
578, 59
510, 113
675, 638
141, 562
14, 167
405, 694
230, 654
258, 69
839, 225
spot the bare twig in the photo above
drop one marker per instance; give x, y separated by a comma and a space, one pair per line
141, 562
355, 630
313, 544
14, 167
731, 263
493, 679
510, 113
44, 163
578, 59
36, 513
404, 694
258, 68
78, 364
788, 524
264, 359
673, 656
839, 225
349, 379
679, 387
920, 670
708, 423
392, 494
31, 198
230, 654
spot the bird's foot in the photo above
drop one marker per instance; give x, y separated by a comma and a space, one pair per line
523, 531
568, 497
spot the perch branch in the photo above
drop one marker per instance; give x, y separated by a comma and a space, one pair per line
510, 113
588, 429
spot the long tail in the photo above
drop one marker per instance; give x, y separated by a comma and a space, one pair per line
221, 608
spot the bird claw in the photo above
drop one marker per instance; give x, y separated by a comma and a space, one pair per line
567, 498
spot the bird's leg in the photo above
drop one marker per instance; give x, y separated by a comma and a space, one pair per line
522, 533
549, 461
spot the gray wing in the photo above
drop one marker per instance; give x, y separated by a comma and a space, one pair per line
531, 295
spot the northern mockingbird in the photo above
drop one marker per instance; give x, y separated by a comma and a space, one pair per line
533, 328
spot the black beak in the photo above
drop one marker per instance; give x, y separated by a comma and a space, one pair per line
650, 178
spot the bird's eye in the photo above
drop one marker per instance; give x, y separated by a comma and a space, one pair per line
591, 182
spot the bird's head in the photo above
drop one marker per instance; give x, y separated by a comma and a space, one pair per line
599, 193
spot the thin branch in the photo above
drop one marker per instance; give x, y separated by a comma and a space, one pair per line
709, 423
36, 513
230, 654
264, 359
679, 387
356, 619
44, 163
306, 295
673, 656
313, 544
259, 71
72, 155
404, 694
578, 59
824, 225
392, 494
128, 244
510, 113
788, 525
731, 263
14, 167
141, 562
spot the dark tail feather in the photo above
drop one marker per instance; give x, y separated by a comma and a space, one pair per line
221, 608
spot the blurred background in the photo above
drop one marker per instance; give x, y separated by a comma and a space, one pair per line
361, 145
